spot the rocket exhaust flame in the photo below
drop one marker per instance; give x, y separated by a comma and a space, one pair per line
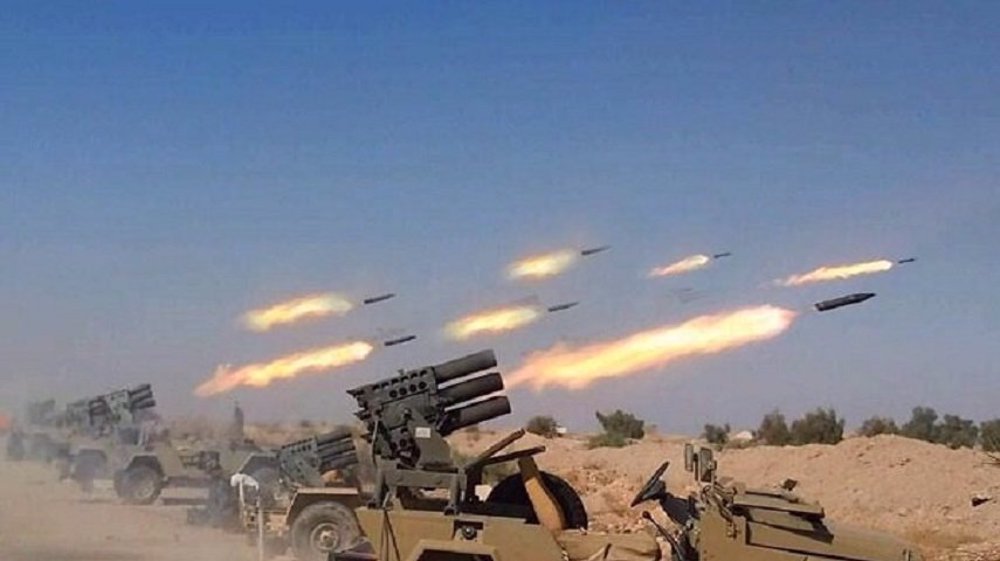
576, 368
542, 266
836, 272
295, 310
496, 320
686, 265
260, 375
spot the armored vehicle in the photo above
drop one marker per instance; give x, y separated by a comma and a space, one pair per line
160, 464
307, 503
105, 429
40, 431
424, 507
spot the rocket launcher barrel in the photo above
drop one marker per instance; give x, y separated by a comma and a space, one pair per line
305, 461
464, 366
340, 462
141, 397
342, 434
335, 448
337, 457
337, 439
475, 413
115, 405
407, 415
472, 389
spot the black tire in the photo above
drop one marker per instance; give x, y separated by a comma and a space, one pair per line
140, 485
323, 528
511, 491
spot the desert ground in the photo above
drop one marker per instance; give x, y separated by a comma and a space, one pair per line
913, 489
42, 519
910, 488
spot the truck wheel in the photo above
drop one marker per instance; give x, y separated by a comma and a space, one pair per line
140, 485
321, 529
511, 491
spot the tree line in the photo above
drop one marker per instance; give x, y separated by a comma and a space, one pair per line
819, 426
824, 426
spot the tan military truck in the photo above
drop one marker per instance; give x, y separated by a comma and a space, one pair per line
309, 507
424, 508
144, 474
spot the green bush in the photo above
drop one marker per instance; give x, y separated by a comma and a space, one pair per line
607, 440
773, 430
989, 434
922, 424
542, 425
821, 426
716, 435
956, 432
622, 424
878, 425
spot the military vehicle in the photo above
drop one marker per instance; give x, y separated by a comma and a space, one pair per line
424, 507
726, 519
309, 505
105, 429
143, 474
40, 430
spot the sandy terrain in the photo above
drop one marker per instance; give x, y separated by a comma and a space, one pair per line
44, 520
913, 489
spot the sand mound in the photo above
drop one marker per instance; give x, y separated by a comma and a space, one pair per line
915, 489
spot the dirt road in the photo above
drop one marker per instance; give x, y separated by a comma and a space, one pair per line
42, 519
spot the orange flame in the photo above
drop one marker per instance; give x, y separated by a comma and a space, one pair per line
260, 375
492, 321
836, 272
686, 265
576, 368
542, 266
297, 309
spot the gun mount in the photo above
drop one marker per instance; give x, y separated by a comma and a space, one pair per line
303, 463
408, 416
725, 519
119, 407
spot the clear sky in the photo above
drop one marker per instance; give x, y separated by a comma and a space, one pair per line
166, 166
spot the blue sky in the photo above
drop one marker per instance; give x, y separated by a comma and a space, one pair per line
164, 167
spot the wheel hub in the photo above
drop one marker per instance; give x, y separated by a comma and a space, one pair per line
325, 537
142, 487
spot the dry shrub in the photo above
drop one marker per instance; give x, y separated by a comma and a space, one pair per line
615, 502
